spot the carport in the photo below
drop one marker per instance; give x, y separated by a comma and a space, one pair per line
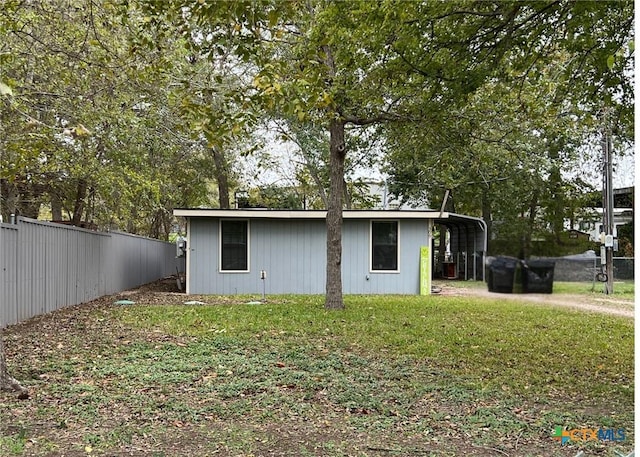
467, 242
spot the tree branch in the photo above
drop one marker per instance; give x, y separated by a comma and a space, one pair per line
382, 117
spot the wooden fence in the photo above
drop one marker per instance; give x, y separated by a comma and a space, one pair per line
46, 266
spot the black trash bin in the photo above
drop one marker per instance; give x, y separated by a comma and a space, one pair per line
501, 274
537, 276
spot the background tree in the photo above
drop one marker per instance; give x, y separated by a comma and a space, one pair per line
214, 100
87, 119
514, 152
310, 156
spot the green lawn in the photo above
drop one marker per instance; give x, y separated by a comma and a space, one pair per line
390, 375
621, 289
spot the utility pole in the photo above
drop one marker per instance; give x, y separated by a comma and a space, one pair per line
607, 204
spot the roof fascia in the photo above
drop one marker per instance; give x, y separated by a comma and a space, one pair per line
307, 214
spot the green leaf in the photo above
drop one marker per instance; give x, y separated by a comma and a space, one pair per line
610, 61
273, 18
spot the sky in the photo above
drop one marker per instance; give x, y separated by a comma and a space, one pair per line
281, 170
624, 174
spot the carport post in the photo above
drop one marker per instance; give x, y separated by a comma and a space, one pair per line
474, 256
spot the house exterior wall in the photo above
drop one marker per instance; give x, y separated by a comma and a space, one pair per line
356, 257
293, 253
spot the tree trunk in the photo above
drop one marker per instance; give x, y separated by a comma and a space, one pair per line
6, 381
557, 203
222, 176
337, 153
486, 217
160, 225
29, 204
348, 196
312, 168
56, 205
81, 195
167, 225
531, 223
154, 230
10, 199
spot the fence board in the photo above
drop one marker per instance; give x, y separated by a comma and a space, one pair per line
8, 273
45, 266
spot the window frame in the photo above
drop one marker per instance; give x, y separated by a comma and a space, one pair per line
371, 266
221, 245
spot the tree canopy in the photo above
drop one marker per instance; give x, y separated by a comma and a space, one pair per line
84, 118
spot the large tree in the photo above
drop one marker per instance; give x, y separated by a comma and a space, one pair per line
391, 63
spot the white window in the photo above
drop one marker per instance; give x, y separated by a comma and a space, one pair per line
384, 246
234, 245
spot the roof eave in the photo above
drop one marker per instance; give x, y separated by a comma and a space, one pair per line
258, 213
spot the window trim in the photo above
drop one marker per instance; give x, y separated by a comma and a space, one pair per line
371, 269
220, 222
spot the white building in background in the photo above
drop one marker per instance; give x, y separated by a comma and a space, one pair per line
592, 222
594, 225
384, 200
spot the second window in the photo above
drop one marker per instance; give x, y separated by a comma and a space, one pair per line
384, 245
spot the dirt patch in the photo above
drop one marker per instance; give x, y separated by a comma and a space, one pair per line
166, 292
587, 303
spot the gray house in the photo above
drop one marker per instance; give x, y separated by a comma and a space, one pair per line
383, 252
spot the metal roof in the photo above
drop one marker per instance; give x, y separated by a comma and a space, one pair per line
262, 213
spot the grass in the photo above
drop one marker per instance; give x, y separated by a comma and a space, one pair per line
389, 375
13, 445
621, 289
492, 343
